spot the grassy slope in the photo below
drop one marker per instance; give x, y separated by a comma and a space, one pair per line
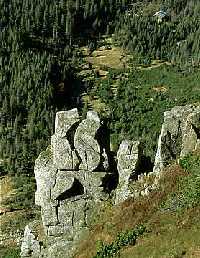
172, 235
171, 232
17, 209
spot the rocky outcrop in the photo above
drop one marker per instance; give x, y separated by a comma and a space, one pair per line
64, 154
77, 173
128, 157
69, 182
180, 135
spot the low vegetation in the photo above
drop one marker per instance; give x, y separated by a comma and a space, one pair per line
135, 100
188, 192
10, 252
17, 209
169, 216
123, 239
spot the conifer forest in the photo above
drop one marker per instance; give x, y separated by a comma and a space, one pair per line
128, 60
41, 60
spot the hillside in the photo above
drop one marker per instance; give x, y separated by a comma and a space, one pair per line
129, 61
41, 60
94, 204
172, 223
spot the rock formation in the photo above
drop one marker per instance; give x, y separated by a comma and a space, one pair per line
69, 182
76, 174
180, 135
31, 247
128, 157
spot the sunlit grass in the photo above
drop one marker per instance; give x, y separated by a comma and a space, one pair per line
111, 58
145, 210
172, 236
6, 189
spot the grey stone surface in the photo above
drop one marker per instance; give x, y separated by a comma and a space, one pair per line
94, 184
65, 120
49, 214
30, 244
179, 135
85, 143
64, 182
45, 175
63, 155
128, 157
191, 133
67, 186
59, 249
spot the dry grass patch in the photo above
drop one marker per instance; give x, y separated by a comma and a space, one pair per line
173, 235
129, 214
112, 58
160, 88
6, 189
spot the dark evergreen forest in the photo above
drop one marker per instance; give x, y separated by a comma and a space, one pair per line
40, 55
174, 35
38, 62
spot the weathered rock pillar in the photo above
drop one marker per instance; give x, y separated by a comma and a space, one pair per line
128, 157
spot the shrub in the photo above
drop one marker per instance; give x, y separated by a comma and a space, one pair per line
10, 253
128, 237
188, 192
190, 163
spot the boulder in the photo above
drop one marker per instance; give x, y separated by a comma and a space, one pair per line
64, 157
